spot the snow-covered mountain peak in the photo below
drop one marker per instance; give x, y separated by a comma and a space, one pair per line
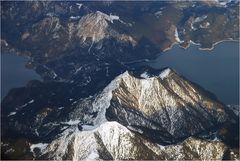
168, 99
164, 108
161, 91
113, 141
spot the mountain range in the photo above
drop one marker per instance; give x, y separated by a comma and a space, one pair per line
91, 104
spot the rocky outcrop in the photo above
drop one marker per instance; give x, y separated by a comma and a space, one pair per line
137, 116
96, 27
113, 141
71, 35
156, 115
78, 48
165, 107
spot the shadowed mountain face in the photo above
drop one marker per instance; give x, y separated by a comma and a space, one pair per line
114, 141
167, 104
88, 106
72, 35
151, 112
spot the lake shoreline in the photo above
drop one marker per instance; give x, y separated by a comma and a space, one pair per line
14, 73
215, 70
207, 49
198, 44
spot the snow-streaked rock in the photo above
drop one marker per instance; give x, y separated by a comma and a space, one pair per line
79, 5
12, 113
144, 75
71, 122
111, 140
96, 27
153, 116
167, 105
165, 73
40, 146
177, 37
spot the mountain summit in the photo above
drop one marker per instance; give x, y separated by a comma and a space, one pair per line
167, 105
140, 113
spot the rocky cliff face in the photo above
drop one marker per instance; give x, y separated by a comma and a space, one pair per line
166, 104
96, 27
111, 140
155, 119
78, 48
88, 44
54, 32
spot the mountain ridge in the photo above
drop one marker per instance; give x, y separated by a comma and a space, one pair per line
146, 106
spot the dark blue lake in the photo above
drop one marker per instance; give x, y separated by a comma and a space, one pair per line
217, 70
14, 73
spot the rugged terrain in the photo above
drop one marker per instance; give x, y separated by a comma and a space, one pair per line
163, 115
89, 95
73, 36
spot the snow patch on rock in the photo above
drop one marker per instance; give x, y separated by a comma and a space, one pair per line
12, 113
158, 14
31, 101
200, 19
102, 102
113, 17
164, 73
145, 75
40, 146
75, 17
79, 5
177, 36
71, 122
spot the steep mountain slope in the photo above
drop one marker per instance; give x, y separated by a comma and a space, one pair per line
95, 26
56, 33
156, 116
114, 141
165, 108
78, 48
